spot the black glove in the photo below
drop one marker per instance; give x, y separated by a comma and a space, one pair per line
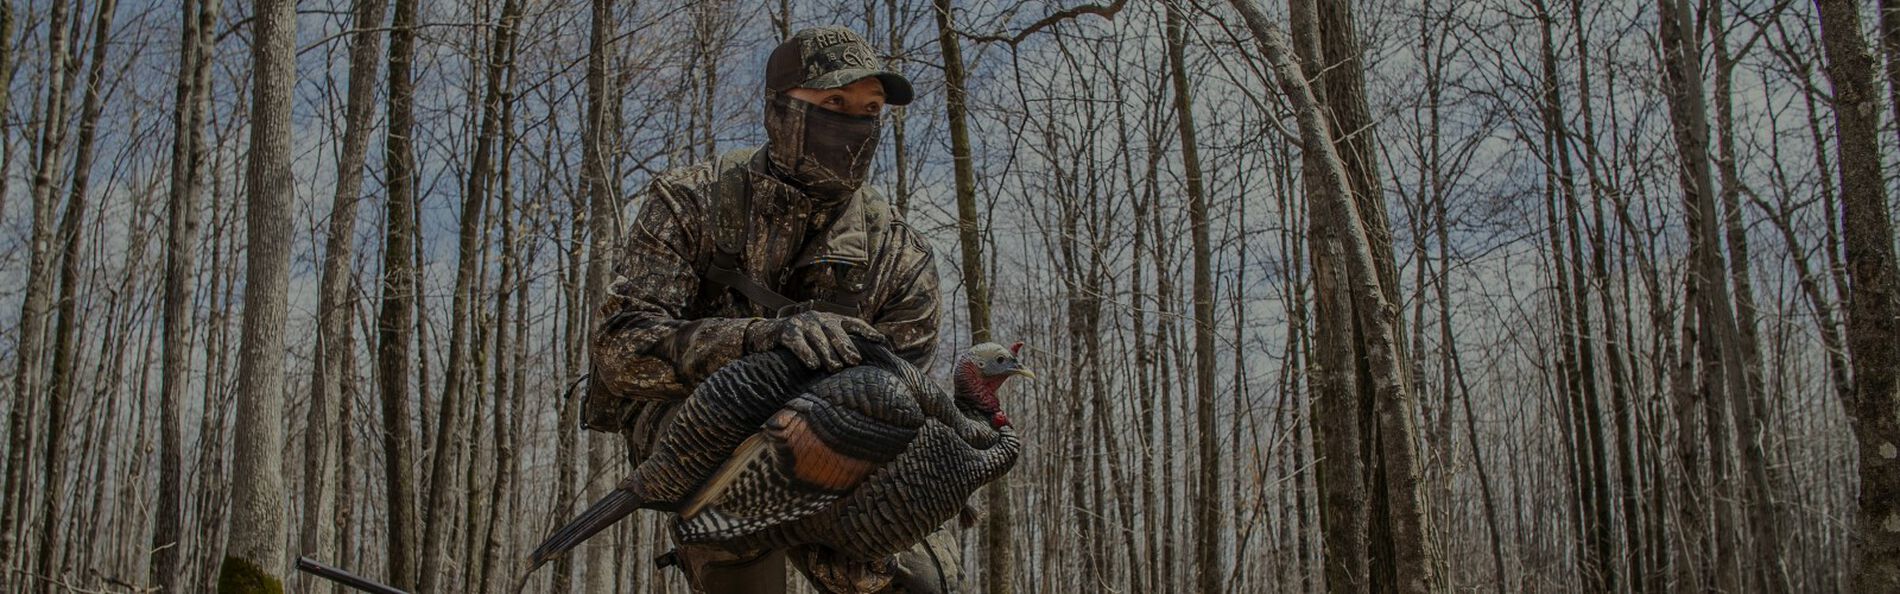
819, 339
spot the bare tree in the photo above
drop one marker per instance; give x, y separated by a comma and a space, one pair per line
28, 384
254, 560
1873, 314
999, 562
1715, 314
60, 388
603, 221
509, 373
188, 156
1207, 507
333, 310
445, 471
9, 65
1338, 226
394, 322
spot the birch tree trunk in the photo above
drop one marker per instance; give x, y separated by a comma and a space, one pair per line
30, 345
254, 558
60, 387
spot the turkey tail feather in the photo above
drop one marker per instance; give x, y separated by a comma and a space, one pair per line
610, 509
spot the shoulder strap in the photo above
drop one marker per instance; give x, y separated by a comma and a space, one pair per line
729, 212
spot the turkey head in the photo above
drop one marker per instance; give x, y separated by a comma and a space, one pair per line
980, 373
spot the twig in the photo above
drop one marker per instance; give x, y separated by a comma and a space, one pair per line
1107, 12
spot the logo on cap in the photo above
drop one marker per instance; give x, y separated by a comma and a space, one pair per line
833, 49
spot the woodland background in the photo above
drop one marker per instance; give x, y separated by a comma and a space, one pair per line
1587, 298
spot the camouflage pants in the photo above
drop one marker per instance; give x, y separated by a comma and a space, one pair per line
929, 567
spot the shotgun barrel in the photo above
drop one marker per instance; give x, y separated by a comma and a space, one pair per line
313, 567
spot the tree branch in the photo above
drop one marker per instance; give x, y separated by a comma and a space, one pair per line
1105, 11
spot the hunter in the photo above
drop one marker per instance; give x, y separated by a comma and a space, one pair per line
779, 246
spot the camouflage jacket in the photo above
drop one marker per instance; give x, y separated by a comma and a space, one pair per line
661, 331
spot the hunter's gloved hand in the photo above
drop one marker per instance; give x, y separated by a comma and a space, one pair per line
819, 339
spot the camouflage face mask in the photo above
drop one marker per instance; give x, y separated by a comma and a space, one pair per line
825, 152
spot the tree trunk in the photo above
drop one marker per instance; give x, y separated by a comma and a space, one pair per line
900, 150
1338, 221
1873, 314
567, 441
395, 322
9, 64
999, 560
254, 558
603, 230
1338, 433
1721, 358
506, 373
333, 313
445, 473
12, 484
1207, 507
212, 488
1595, 545
60, 389
181, 244
1749, 401
1890, 48
30, 345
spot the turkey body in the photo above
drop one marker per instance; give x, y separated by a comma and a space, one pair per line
865, 462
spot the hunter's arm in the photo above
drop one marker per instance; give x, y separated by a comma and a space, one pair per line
909, 314
642, 348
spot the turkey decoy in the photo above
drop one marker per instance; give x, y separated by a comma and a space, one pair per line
768, 453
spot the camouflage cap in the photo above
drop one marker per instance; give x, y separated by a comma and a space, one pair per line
828, 58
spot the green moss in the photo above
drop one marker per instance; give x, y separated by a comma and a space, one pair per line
240, 576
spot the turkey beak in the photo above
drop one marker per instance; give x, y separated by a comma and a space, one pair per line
1018, 369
